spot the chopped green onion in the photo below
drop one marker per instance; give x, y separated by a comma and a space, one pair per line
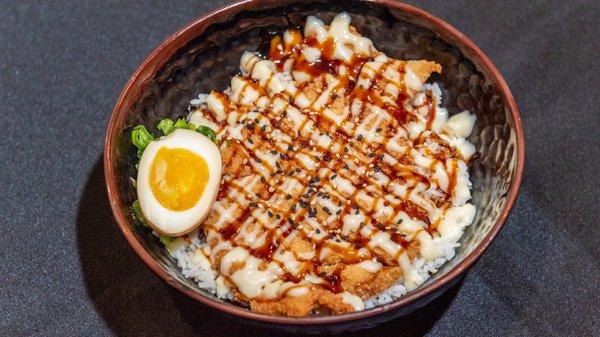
166, 126
137, 213
181, 124
140, 137
208, 132
166, 240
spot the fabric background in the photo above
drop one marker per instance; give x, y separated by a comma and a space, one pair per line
66, 270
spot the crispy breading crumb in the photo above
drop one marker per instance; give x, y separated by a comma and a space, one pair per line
301, 306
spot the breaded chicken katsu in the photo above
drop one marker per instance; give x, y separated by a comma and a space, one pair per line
344, 182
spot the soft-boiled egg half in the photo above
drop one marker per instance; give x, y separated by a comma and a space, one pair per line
178, 180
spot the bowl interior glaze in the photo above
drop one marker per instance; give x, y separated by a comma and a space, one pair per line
204, 58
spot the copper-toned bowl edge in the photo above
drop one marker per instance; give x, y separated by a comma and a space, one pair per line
161, 54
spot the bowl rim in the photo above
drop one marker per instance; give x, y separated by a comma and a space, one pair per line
161, 54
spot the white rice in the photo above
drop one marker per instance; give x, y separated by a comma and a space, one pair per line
200, 101
196, 266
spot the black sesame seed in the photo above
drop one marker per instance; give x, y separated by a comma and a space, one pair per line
338, 212
378, 130
283, 156
252, 204
360, 137
326, 210
250, 141
333, 176
270, 214
273, 152
298, 170
264, 127
263, 180
288, 197
278, 216
318, 231
399, 221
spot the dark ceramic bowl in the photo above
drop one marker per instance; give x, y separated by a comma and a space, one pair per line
205, 54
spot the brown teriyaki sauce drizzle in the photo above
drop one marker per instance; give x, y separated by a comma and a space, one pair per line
313, 183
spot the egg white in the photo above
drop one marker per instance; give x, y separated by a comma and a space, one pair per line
166, 221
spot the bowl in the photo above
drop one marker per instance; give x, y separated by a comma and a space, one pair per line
205, 54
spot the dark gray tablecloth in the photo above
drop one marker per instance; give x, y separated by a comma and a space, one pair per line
66, 270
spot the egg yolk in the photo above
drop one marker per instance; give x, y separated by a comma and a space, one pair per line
178, 178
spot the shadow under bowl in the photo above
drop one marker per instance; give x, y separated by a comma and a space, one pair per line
205, 54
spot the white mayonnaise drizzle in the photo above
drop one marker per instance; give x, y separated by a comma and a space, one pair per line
270, 93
